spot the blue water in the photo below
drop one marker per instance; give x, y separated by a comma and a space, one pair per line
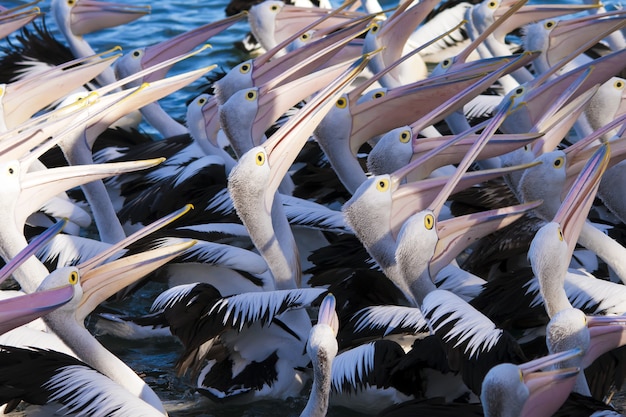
154, 360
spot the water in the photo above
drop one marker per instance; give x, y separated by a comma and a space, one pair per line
154, 359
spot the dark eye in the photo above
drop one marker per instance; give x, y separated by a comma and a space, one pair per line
136, 54
342, 103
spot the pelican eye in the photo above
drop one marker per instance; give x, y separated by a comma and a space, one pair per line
342, 103
492, 5
202, 100
11, 171
521, 376
260, 158
549, 24
245, 68
374, 28
251, 95
379, 94
274, 7
305, 37
71, 2
519, 91
446, 63
405, 136
136, 53
73, 278
560, 235
558, 162
382, 185
429, 221
619, 84
526, 147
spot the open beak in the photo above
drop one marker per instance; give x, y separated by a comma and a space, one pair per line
575, 206
87, 16
22, 99
327, 314
606, 333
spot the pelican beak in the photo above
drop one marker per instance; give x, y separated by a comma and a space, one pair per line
567, 35
87, 16
327, 314
22, 99
581, 151
395, 31
133, 100
274, 102
471, 155
418, 195
14, 19
575, 206
548, 388
101, 280
457, 233
403, 105
537, 98
104, 281
17, 311
606, 333
33, 247
210, 115
37, 187
285, 144
499, 144
548, 391
532, 13
182, 44
272, 22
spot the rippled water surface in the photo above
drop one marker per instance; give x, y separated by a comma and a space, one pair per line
155, 359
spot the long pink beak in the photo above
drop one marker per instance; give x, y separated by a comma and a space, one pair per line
87, 16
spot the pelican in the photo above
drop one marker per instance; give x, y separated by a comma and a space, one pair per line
355, 119
322, 349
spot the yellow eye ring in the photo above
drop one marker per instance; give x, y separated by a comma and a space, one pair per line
251, 95
379, 94
521, 376
260, 158
245, 68
558, 162
342, 103
374, 27
71, 2
274, 8
429, 221
519, 91
446, 63
549, 24
492, 5
405, 136
202, 101
560, 235
305, 37
73, 278
619, 84
382, 184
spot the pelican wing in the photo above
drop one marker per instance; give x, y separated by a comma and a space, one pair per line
391, 319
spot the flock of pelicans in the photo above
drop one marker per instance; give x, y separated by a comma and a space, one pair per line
392, 211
